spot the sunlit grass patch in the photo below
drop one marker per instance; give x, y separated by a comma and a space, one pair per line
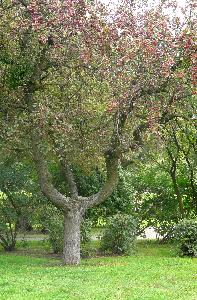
154, 273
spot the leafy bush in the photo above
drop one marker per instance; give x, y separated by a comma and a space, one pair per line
120, 234
165, 230
55, 228
8, 232
17, 201
185, 234
86, 231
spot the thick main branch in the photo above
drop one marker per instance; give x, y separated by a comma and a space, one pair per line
44, 177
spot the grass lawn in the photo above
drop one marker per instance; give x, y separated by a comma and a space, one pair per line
153, 273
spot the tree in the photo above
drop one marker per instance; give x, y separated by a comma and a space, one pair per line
83, 86
179, 152
18, 201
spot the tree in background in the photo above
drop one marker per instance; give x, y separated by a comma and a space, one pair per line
19, 199
164, 182
83, 87
181, 150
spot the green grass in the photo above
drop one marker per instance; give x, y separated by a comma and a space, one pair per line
154, 248
154, 273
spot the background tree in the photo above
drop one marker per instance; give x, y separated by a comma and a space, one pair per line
19, 199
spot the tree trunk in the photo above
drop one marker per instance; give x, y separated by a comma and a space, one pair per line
178, 195
71, 251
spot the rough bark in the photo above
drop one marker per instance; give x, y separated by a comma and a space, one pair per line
44, 177
71, 251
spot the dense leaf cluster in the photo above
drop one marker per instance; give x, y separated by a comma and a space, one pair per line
185, 234
120, 234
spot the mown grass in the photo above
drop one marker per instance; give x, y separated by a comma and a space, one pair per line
153, 273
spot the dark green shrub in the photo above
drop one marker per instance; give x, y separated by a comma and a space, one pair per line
165, 230
55, 228
86, 231
120, 234
8, 233
18, 201
185, 234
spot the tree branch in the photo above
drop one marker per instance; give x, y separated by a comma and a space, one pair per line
112, 164
44, 177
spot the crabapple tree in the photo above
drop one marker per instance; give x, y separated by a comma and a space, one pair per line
86, 84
